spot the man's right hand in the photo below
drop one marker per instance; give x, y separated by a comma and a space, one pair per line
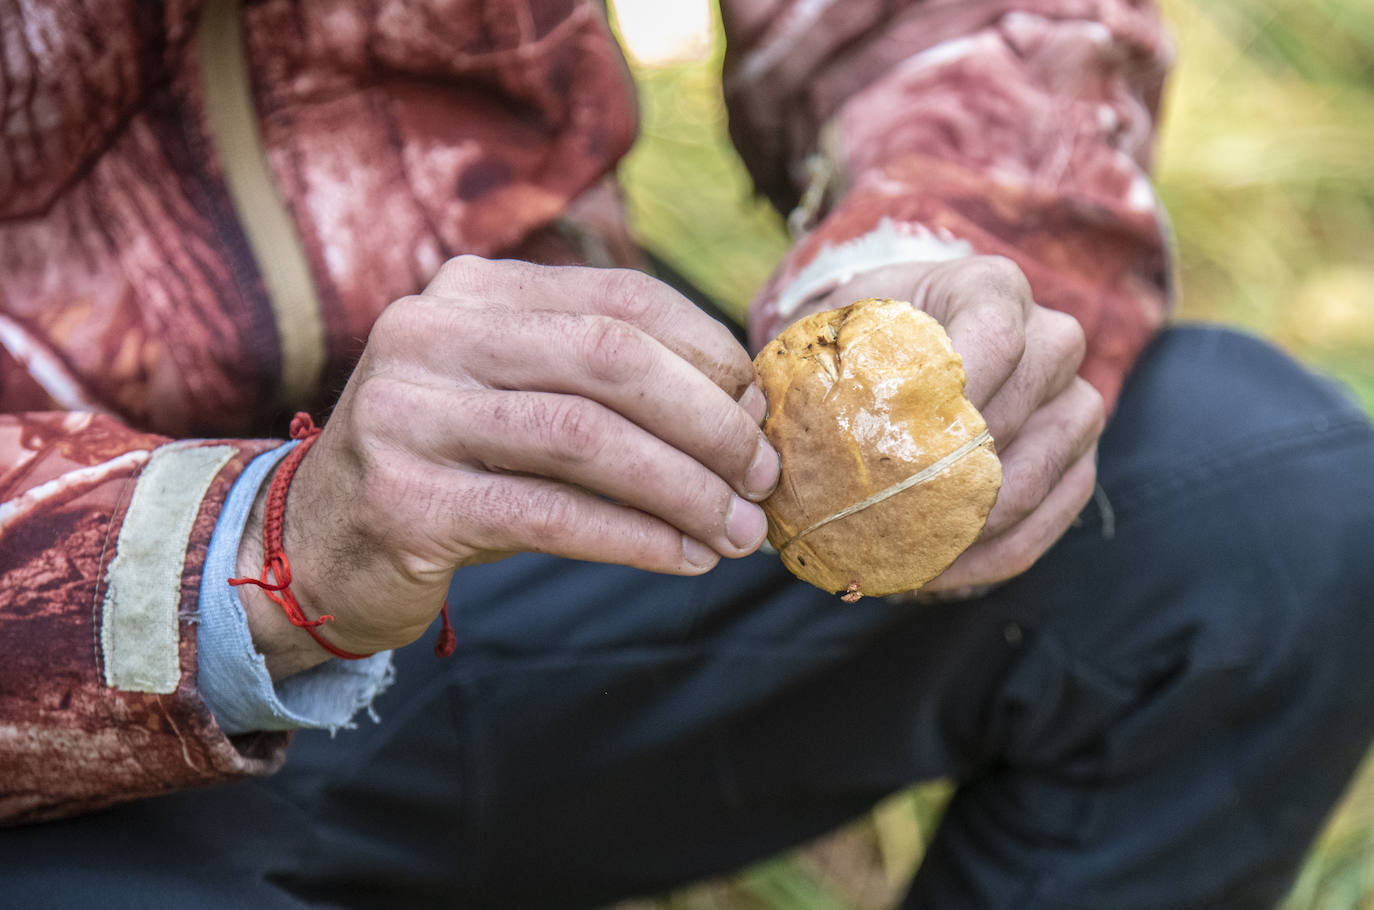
590, 413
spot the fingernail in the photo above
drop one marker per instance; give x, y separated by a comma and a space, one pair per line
763, 471
697, 553
745, 525
754, 402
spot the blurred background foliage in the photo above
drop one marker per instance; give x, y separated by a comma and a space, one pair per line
1266, 165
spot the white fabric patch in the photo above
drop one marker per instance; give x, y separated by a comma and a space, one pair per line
890, 243
138, 631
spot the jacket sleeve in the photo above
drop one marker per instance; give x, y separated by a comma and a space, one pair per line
925, 130
102, 534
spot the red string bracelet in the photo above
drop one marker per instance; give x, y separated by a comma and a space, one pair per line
276, 568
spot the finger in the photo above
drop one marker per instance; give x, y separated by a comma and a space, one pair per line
1012, 553
573, 439
1052, 440
1053, 352
496, 513
617, 365
984, 303
634, 297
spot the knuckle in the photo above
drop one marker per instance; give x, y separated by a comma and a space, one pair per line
462, 271
397, 320
1070, 342
1091, 407
494, 512
550, 516
375, 445
1002, 276
472, 277
613, 351
630, 296
574, 430
501, 409
374, 401
1098, 409
1010, 346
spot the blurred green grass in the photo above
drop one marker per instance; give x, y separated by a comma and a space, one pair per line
1266, 165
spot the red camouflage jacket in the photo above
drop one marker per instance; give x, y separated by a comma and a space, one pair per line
205, 203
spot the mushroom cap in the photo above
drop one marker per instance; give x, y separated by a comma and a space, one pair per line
888, 471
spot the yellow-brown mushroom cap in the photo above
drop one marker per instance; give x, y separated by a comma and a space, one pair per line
888, 472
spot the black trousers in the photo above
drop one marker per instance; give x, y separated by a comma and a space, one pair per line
1158, 715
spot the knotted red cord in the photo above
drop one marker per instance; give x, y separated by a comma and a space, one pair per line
276, 568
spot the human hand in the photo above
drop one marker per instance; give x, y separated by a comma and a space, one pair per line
1021, 360
590, 413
